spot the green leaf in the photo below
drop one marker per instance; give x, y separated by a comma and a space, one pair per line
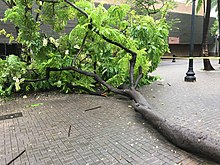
17, 86
36, 105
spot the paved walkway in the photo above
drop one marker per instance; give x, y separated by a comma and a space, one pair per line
56, 129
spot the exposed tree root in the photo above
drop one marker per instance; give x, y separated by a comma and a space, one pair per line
182, 137
192, 141
185, 138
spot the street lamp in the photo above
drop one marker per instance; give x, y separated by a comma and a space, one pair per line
190, 75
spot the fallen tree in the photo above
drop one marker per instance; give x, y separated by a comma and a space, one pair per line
104, 51
196, 142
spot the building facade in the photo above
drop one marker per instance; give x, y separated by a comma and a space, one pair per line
180, 34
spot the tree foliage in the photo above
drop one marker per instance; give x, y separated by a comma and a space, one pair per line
104, 42
11, 73
215, 26
152, 7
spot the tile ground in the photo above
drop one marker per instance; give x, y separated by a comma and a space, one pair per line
114, 133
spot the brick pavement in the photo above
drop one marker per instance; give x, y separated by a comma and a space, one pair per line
114, 133
194, 105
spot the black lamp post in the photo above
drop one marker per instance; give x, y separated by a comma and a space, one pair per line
218, 41
190, 75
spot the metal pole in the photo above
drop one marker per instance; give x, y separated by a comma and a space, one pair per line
190, 75
218, 47
5, 49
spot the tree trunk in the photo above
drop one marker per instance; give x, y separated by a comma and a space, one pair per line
183, 137
218, 28
18, 45
193, 141
206, 62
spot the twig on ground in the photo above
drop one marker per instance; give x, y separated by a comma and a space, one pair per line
16, 157
93, 108
69, 131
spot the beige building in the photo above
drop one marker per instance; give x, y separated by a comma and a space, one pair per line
184, 8
180, 35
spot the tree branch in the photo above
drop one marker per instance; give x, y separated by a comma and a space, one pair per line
156, 10
139, 77
143, 5
7, 3
98, 93
115, 43
81, 48
11, 4
50, 1
16, 157
37, 15
147, 7
97, 31
87, 55
134, 54
95, 76
77, 8
132, 64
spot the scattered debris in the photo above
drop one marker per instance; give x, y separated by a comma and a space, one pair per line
25, 96
36, 105
104, 94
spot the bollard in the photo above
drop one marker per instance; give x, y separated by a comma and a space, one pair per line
174, 59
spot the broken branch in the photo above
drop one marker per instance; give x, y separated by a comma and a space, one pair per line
93, 108
83, 72
97, 31
77, 8
81, 48
16, 157
69, 131
139, 77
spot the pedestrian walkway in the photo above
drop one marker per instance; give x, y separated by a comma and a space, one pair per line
82, 129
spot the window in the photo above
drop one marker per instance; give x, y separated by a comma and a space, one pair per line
7, 49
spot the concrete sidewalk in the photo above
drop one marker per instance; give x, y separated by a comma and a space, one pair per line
56, 129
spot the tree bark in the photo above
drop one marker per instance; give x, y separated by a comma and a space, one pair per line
200, 143
206, 62
193, 141
182, 137
218, 3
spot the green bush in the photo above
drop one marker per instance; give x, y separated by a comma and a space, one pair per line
11, 74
